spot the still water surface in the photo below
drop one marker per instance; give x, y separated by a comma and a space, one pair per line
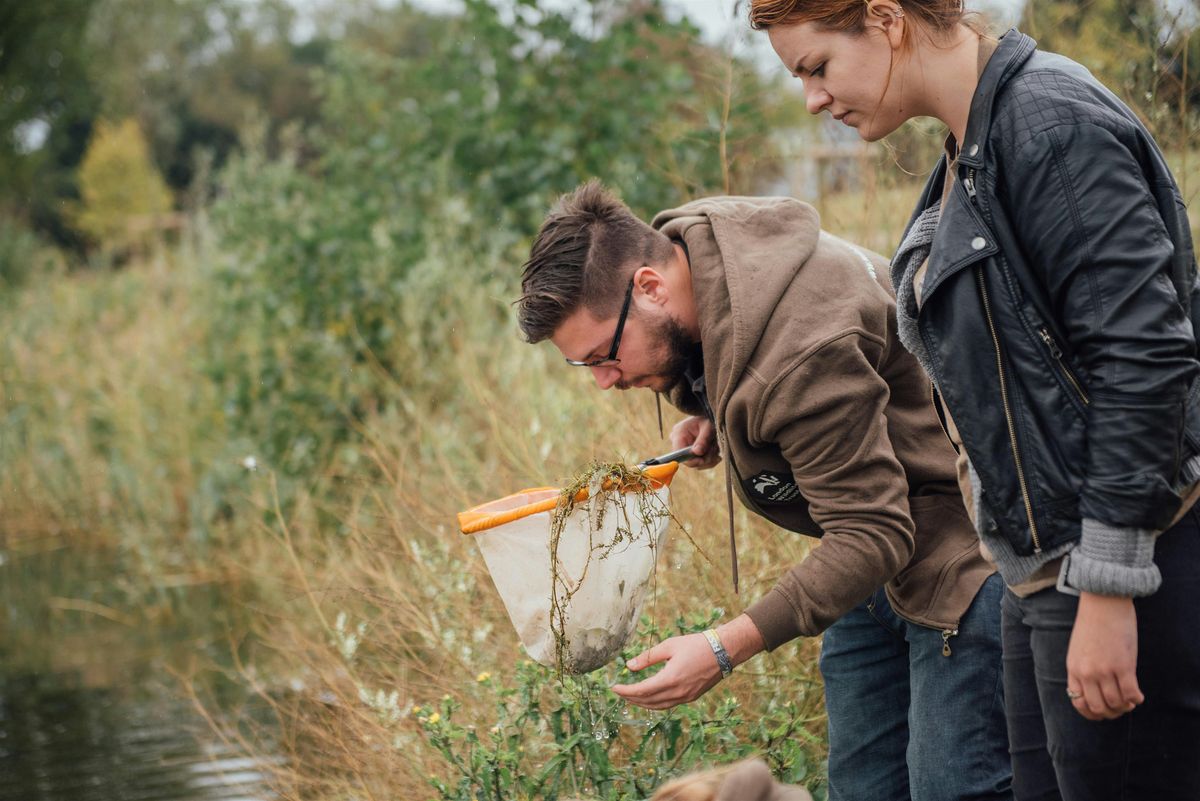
91, 700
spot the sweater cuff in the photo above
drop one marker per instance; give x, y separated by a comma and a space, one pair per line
1113, 561
775, 619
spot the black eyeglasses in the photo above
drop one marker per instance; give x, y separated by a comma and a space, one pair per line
611, 358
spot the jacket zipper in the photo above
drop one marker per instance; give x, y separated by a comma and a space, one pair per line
1012, 429
1057, 354
969, 185
946, 635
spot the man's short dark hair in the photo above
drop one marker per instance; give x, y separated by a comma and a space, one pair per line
587, 249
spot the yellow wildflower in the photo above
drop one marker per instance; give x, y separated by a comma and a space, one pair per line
484, 676
435, 717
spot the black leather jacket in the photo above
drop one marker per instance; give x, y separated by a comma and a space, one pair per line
1058, 305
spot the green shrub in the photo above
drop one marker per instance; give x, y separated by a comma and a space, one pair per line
550, 739
121, 190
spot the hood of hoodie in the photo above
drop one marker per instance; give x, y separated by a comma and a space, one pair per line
744, 254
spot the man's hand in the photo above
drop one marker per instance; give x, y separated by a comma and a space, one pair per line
692, 668
691, 671
1102, 658
699, 433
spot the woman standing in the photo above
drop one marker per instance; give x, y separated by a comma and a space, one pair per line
1047, 282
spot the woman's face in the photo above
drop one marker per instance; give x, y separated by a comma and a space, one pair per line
855, 77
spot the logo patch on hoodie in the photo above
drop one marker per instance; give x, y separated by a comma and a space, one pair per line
771, 487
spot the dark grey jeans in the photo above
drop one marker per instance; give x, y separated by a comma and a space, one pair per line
1151, 753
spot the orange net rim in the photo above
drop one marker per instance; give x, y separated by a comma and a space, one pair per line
478, 518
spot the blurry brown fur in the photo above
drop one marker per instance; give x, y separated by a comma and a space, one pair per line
750, 780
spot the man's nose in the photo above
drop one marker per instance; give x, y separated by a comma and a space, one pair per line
816, 99
606, 376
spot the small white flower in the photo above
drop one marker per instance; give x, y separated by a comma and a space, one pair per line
250, 463
347, 642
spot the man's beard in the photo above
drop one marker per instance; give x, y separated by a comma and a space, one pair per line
678, 350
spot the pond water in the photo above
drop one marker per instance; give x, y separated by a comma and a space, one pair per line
94, 703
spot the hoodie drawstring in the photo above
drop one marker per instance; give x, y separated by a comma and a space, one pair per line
702, 395
732, 538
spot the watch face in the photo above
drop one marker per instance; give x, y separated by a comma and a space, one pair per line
771, 487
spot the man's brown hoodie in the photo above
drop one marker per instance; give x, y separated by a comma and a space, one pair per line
825, 422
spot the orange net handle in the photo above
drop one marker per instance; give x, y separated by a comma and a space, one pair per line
542, 499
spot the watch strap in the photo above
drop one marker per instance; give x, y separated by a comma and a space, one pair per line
723, 660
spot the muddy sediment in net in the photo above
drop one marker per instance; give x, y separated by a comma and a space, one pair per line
601, 490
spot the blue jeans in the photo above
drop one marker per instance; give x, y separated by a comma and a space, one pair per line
907, 722
1152, 752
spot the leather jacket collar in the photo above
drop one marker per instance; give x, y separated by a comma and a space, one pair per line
1014, 50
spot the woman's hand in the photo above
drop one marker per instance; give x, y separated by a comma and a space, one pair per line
1102, 658
699, 433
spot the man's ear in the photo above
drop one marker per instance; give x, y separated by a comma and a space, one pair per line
651, 285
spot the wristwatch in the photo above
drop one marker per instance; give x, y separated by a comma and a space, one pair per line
723, 660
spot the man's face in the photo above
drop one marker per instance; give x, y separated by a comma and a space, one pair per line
653, 354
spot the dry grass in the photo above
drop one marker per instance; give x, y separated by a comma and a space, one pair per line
107, 424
